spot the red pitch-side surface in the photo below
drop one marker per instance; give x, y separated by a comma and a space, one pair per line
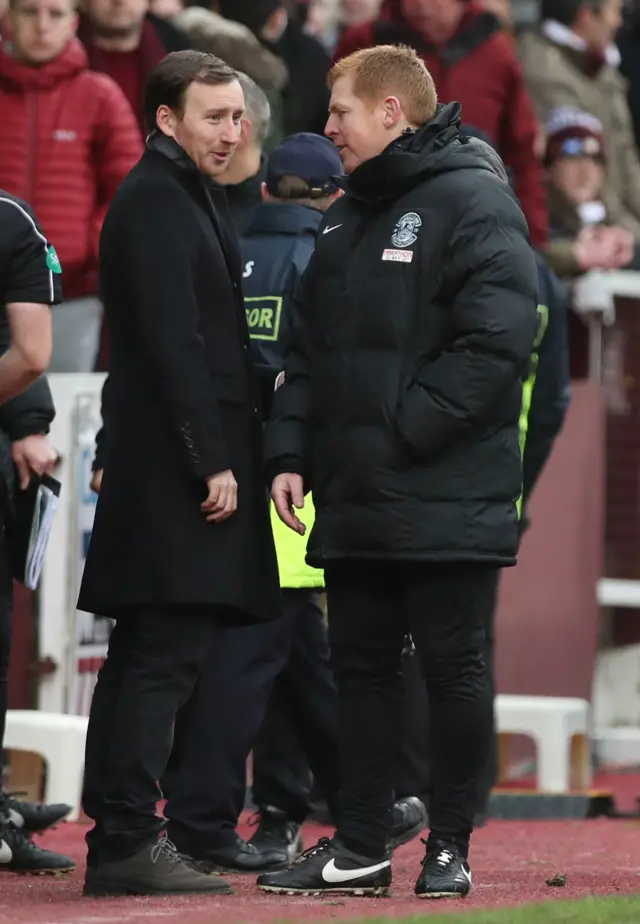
511, 861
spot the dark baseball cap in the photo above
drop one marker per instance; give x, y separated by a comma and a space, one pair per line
311, 158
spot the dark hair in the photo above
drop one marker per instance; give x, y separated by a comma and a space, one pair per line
254, 14
566, 11
168, 82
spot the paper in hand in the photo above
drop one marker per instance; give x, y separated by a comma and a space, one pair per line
29, 528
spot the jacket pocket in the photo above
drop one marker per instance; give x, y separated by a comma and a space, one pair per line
231, 389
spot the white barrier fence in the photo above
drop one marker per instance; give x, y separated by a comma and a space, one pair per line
75, 641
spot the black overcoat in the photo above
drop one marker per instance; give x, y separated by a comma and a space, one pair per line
182, 404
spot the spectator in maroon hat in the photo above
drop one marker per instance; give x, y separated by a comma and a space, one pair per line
584, 232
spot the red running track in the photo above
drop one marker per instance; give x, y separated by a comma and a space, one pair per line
511, 861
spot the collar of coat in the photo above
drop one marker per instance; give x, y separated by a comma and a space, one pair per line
158, 141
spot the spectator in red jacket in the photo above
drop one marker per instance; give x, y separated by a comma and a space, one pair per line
473, 61
69, 138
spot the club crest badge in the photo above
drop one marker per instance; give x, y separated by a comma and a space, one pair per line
405, 231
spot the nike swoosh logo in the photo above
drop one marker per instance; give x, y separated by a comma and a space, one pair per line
331, 228
6, 853
331, 873
15, 818
466, 875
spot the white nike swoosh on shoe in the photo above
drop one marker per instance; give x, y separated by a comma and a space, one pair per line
331, 873
466, 875
6, 853
15, 818
331, 228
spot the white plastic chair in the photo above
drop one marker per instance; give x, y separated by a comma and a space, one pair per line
560, 728
59, 739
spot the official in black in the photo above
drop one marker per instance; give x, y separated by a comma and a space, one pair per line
400, 413
181, 547
29, 286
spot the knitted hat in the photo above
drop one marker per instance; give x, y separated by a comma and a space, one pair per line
573, 133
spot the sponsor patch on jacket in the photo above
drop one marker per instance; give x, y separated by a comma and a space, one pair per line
398, 256
263, 316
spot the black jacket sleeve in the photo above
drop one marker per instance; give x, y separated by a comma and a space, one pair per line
552, 389
33, 269
285, 436
490, 281
30, 413
159, 256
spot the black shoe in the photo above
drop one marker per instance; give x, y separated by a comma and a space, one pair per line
19, 854
445, 873
34, 817
156, 870
329, 868
240, 857
409, 820
276, 833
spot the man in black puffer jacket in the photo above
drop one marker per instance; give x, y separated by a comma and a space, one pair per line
417, 317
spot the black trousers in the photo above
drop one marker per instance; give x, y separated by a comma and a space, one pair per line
300, 729
215, 731
371, 608
154, 661
414, 774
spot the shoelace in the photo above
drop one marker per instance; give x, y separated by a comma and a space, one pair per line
441, 860
165, 848
322, 844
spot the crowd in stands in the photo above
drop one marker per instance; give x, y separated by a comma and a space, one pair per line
559, 100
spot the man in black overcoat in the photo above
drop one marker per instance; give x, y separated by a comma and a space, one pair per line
181, 547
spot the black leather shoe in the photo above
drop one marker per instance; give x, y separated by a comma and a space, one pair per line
240, 857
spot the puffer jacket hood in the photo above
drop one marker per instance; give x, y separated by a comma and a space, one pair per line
435, 148
235, 44
70, 62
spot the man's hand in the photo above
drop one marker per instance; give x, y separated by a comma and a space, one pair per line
605, 248
33, 455
96, 480
287, 492
622, 245
223, 497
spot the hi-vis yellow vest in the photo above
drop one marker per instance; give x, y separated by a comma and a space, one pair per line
527, 388
292, 548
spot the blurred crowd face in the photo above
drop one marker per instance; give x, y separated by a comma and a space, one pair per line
436, 18
41, 29
355, 12
599, 28
116, 18
209, 126
356, 127
579, 179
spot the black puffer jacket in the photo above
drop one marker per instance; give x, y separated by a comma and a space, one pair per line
416, 322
